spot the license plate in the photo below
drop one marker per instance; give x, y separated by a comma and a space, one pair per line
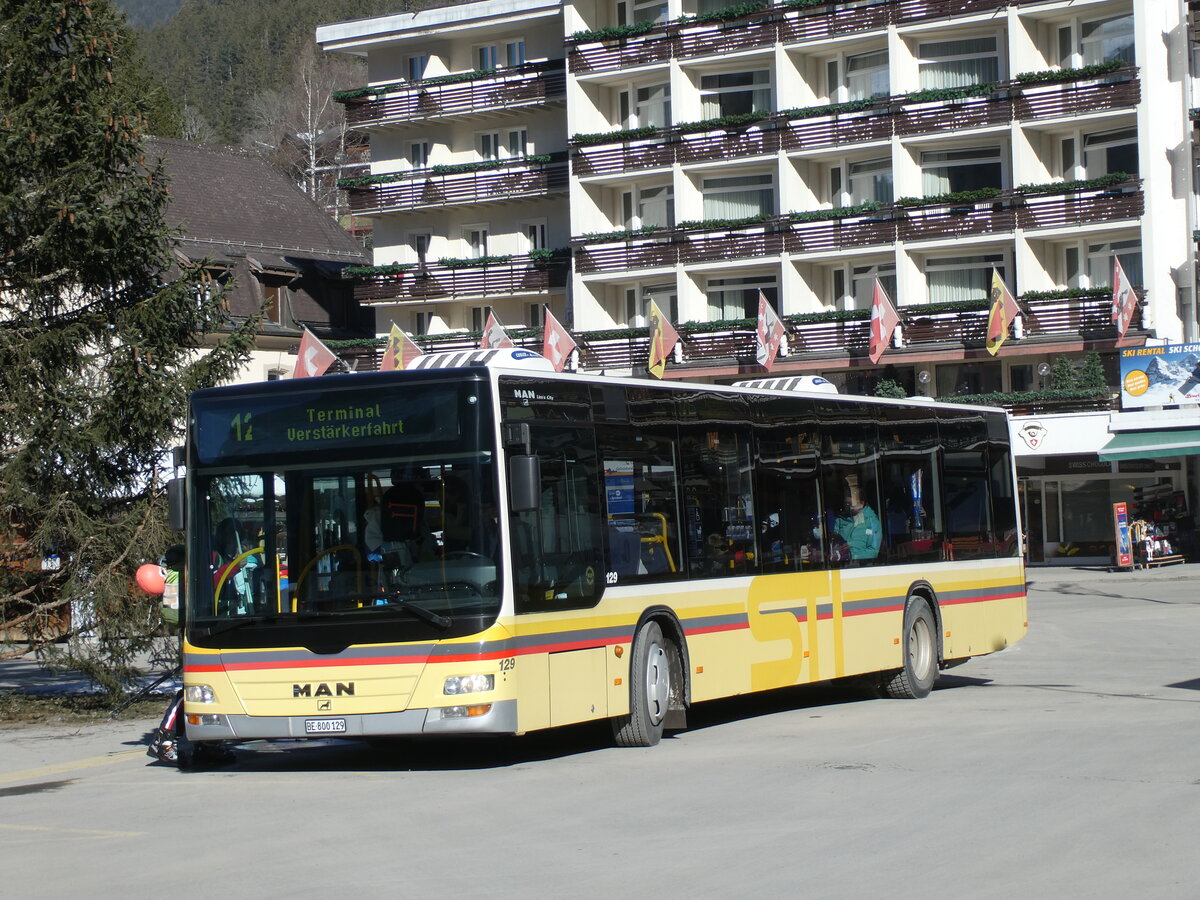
324, 726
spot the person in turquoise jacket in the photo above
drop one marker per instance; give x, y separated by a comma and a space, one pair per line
860, 526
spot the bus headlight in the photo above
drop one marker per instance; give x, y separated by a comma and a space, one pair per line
198, 693
469, 684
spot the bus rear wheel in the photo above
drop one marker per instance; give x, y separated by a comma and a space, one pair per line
920, 671
649, 690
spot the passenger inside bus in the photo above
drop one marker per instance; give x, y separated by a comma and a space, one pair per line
394, 530
858, 525
235, 569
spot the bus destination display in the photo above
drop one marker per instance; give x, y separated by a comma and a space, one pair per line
255, 425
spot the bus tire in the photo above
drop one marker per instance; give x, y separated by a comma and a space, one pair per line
649, 690
920, 671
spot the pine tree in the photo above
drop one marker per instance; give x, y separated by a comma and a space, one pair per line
98, 339
1091, 375
1063, 376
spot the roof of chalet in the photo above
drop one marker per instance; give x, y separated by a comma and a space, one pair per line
232, 203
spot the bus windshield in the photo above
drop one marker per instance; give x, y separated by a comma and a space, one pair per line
413, 540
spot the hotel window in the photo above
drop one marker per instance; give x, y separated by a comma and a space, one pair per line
737, 298
420, 322
418, 242
739, 197
735, 93
863, 284
534, 235
1107, 152
1102, 40
637, 303
518, 143
488, 145
416, 66
514, 53
418, 154
867, 76
649, 206
950, 64
968, 169
954, 279
1100, 262
651, 107
868, 179
487, 58
535, 315
631, 12
477, 240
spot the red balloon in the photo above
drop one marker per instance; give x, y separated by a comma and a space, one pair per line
151, 578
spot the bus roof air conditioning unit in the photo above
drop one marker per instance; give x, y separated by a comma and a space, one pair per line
809, 384
506, 358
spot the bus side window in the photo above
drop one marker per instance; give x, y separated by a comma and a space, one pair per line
642, 505
718, 502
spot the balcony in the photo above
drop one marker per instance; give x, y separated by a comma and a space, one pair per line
534, 84
908, 221
516, 180
685, 40
826, 338
901, 115
516, 276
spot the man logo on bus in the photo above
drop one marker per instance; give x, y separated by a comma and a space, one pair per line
323, 690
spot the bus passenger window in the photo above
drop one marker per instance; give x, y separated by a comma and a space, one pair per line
718, 504
642, 508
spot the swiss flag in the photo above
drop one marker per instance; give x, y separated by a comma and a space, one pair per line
314, 357
770, 332
557, 343
1124, 299
884, 320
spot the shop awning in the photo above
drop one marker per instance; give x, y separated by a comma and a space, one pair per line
1143, 444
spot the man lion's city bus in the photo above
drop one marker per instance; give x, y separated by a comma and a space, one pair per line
479, 545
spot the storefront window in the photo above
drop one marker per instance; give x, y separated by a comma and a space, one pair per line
972, 378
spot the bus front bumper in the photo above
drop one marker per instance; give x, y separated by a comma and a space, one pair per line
501, 718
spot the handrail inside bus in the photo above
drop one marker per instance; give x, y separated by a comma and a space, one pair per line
231, 567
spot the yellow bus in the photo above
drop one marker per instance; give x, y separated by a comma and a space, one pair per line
479, 545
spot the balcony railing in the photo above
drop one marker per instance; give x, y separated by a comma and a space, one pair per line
515, 181
890, 116
1001, 214
764, 29
1085, 320
533, 84
517, 277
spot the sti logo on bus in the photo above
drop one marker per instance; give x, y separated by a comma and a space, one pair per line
323, 690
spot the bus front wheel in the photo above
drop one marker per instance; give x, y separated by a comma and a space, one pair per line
920, 670
649, 690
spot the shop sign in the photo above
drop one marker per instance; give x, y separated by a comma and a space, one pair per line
1121, 529
1074, 465
1160, 376
1134, 466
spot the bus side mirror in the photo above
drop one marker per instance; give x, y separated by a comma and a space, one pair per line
176, 507
524, 482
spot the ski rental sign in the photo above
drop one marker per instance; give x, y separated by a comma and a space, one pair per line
1160, 376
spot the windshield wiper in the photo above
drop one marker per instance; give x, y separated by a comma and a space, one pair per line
239, 622
396, 600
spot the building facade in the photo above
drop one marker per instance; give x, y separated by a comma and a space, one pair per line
595, 156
